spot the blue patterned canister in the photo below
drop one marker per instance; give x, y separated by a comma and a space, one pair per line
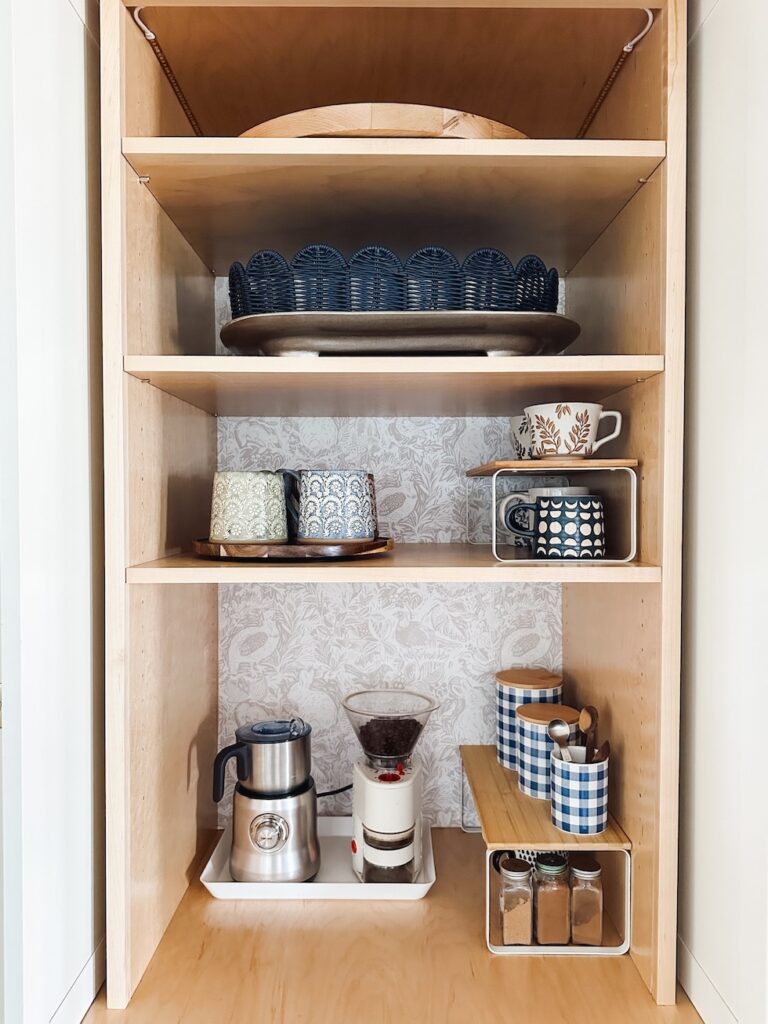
516, 686
534, 745
579, 794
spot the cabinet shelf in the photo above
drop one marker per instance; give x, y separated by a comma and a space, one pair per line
511, 820
551, 197
387, 385
408, 563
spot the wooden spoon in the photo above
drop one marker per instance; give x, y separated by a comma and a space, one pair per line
603, 753
560, 733
588, 725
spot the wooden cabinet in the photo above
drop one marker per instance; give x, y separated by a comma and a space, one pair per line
599, 192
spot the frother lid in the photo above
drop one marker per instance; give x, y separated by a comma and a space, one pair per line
275, 730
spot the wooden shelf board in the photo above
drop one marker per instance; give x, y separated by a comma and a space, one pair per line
408, 563
230, 196
374, 961
511, 820
386, 385
555, 4
489, 468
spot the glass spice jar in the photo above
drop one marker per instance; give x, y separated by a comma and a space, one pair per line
587, 904
552, 900
516, 902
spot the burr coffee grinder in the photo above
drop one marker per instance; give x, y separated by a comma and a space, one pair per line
387, 783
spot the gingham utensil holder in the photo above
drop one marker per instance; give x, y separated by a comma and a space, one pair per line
534, 745
515, 687
579, 793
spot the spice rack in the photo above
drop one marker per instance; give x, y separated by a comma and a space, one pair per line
511, 821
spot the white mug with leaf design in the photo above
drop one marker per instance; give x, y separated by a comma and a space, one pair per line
520, 432
568, 429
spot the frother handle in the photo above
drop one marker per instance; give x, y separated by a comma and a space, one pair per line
237, 750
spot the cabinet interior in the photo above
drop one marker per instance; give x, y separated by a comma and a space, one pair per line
577, 201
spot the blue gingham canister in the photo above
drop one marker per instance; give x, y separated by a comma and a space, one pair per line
579, 794
516, 686
534, 745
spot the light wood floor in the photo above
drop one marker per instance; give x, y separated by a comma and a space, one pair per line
373, 963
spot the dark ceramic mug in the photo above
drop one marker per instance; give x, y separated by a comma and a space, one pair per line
563, 527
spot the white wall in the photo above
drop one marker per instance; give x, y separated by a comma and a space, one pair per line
724, 864
50, 530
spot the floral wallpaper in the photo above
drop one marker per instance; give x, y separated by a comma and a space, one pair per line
419, 465
297, 649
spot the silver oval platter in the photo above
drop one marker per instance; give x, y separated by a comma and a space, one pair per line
465, 332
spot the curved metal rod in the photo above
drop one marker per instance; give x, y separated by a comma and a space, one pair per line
633, 42
150, 35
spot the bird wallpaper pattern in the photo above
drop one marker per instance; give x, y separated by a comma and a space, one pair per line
297, 649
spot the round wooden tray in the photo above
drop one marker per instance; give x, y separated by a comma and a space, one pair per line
359, 333
293, 552
387, 120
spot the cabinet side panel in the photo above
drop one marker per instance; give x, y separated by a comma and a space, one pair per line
634, 108
642, 409
151, 107
170, 291
615, 289
171, 746
171, 462
611, 652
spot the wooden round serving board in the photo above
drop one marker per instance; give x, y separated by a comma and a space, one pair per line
385, 120
293, 552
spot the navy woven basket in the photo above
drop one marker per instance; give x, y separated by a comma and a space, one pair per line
535, 286
265, 285
489, 280
433, 280
376, 280
320, 279
238, 290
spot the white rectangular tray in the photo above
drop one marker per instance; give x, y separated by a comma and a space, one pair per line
335, 881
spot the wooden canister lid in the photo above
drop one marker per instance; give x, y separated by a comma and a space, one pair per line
528, 678
543, 714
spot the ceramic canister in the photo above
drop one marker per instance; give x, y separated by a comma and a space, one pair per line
534, 745
579, 793
336, 505
514, 687
248, 508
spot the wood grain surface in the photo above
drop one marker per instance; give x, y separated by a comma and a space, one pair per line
390, 120
375, 963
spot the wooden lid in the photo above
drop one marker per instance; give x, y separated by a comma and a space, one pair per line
528, 678
543, 714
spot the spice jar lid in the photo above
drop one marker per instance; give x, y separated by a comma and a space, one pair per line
528, 678
543, 714
550, 864
514, 868
586, 868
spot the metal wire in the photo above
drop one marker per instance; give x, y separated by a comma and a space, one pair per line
162, 60
613, 75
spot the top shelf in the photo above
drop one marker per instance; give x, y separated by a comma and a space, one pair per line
558, 4
230, 197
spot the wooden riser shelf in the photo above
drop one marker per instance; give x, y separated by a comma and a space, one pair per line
552, 197
409, 563
510, 820
387, 386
